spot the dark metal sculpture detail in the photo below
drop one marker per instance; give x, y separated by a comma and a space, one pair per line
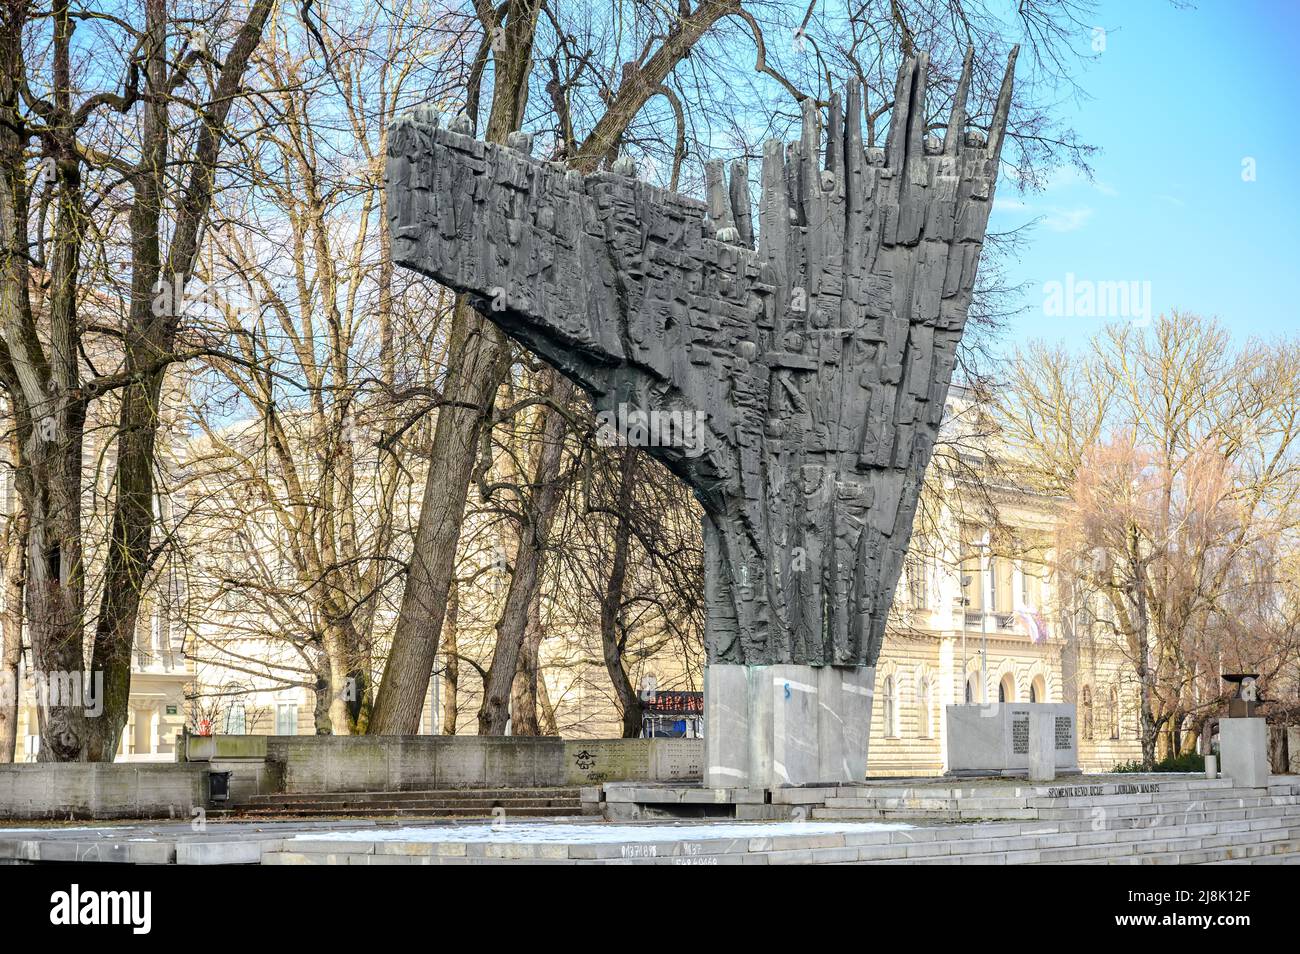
820, 360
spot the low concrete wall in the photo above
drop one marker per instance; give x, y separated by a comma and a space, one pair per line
101, 790
324, 763
592, 761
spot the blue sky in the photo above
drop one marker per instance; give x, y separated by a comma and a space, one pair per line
1178, 100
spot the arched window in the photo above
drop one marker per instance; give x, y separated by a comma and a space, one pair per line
1113, 715
972, 692
925, 706
1087, 713
1007, 689
890, 708
1038, 690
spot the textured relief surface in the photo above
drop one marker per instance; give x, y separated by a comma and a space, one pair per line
819, 360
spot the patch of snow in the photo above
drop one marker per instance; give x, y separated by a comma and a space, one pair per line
560, 833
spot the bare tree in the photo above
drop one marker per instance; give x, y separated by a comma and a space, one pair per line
1178, 454
142, 134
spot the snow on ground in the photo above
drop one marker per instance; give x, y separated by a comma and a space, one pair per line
560, 833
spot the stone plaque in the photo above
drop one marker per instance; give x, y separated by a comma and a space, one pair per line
593, 761
1020, 734
677, 759
1064, 733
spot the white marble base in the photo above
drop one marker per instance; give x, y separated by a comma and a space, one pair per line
1243, 749
771, 726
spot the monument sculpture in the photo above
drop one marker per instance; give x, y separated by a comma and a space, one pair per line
816, 341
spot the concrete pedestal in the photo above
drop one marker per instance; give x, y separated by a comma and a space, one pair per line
1243, 748
769, 726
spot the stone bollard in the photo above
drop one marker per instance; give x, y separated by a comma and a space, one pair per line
1211, 767
1042, 747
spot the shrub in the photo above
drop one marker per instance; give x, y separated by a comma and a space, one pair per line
1189, 762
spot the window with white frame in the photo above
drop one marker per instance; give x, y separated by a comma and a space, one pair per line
286, 718
889, 711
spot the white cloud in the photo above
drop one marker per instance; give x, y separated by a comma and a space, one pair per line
1066, 220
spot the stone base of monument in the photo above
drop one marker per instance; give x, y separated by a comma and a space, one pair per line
1243, 750
774, 726
996, 739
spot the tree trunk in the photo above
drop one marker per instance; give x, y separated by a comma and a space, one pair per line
476, 355
451, 668
321, 706
541, 506
55, 590
11, 623
340, 669
15, 301
476, 366
524, 693
611, 602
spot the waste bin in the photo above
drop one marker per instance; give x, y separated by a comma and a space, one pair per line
219, 786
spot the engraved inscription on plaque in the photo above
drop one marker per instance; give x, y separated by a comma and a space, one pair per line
1064, 733
1020, 735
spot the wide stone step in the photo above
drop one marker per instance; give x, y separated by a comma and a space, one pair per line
429, 807
286, 798
1053, 790
1073, 848
1191, 848
1156, 816
972, 808
1008, 833
1006, 799
336, 811
381, 803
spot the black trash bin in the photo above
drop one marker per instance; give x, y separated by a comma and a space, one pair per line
219, 786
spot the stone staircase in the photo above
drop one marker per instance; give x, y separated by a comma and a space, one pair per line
1167, 822
1185, 821
1062, 800
491, 803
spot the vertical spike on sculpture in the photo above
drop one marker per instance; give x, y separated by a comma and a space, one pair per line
819, 362
738, 194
